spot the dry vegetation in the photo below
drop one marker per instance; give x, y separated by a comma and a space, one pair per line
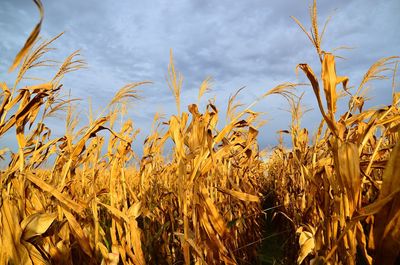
203, 203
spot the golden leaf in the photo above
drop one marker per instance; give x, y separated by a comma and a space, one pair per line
77, 231
36, 224
349, 169
31, 40
240, 195
307, 244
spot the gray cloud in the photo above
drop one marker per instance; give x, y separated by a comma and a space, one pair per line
239, 43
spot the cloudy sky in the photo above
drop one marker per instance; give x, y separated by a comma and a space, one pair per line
250, 43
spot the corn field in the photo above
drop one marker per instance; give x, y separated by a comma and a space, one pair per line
88, 198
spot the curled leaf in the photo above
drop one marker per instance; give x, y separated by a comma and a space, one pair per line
36, 224
307, 244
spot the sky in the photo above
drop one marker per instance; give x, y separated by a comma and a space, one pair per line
251, 43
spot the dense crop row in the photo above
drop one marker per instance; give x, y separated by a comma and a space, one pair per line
99, 203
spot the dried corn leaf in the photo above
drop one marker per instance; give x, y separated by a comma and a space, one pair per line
11, 248
135, 210
387, 220
208, 227
349, 169
62, 198
217, 220
136, 237
34, 254
78, 233
362, 242
40, 87
315, 85
307, 244
117, 213
36, 224
240, 195
330, 81
31, 40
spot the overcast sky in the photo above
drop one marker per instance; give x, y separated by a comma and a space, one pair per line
250, 43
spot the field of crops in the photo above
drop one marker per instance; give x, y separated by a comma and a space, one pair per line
87, 198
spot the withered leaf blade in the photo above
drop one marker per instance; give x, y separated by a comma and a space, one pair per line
307, 244
387, 232
77, 231
315, 85
216, 218
349, 168
240, 195
11, 250
36, 224
31, 40
35, 255
62, 198
330, 80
